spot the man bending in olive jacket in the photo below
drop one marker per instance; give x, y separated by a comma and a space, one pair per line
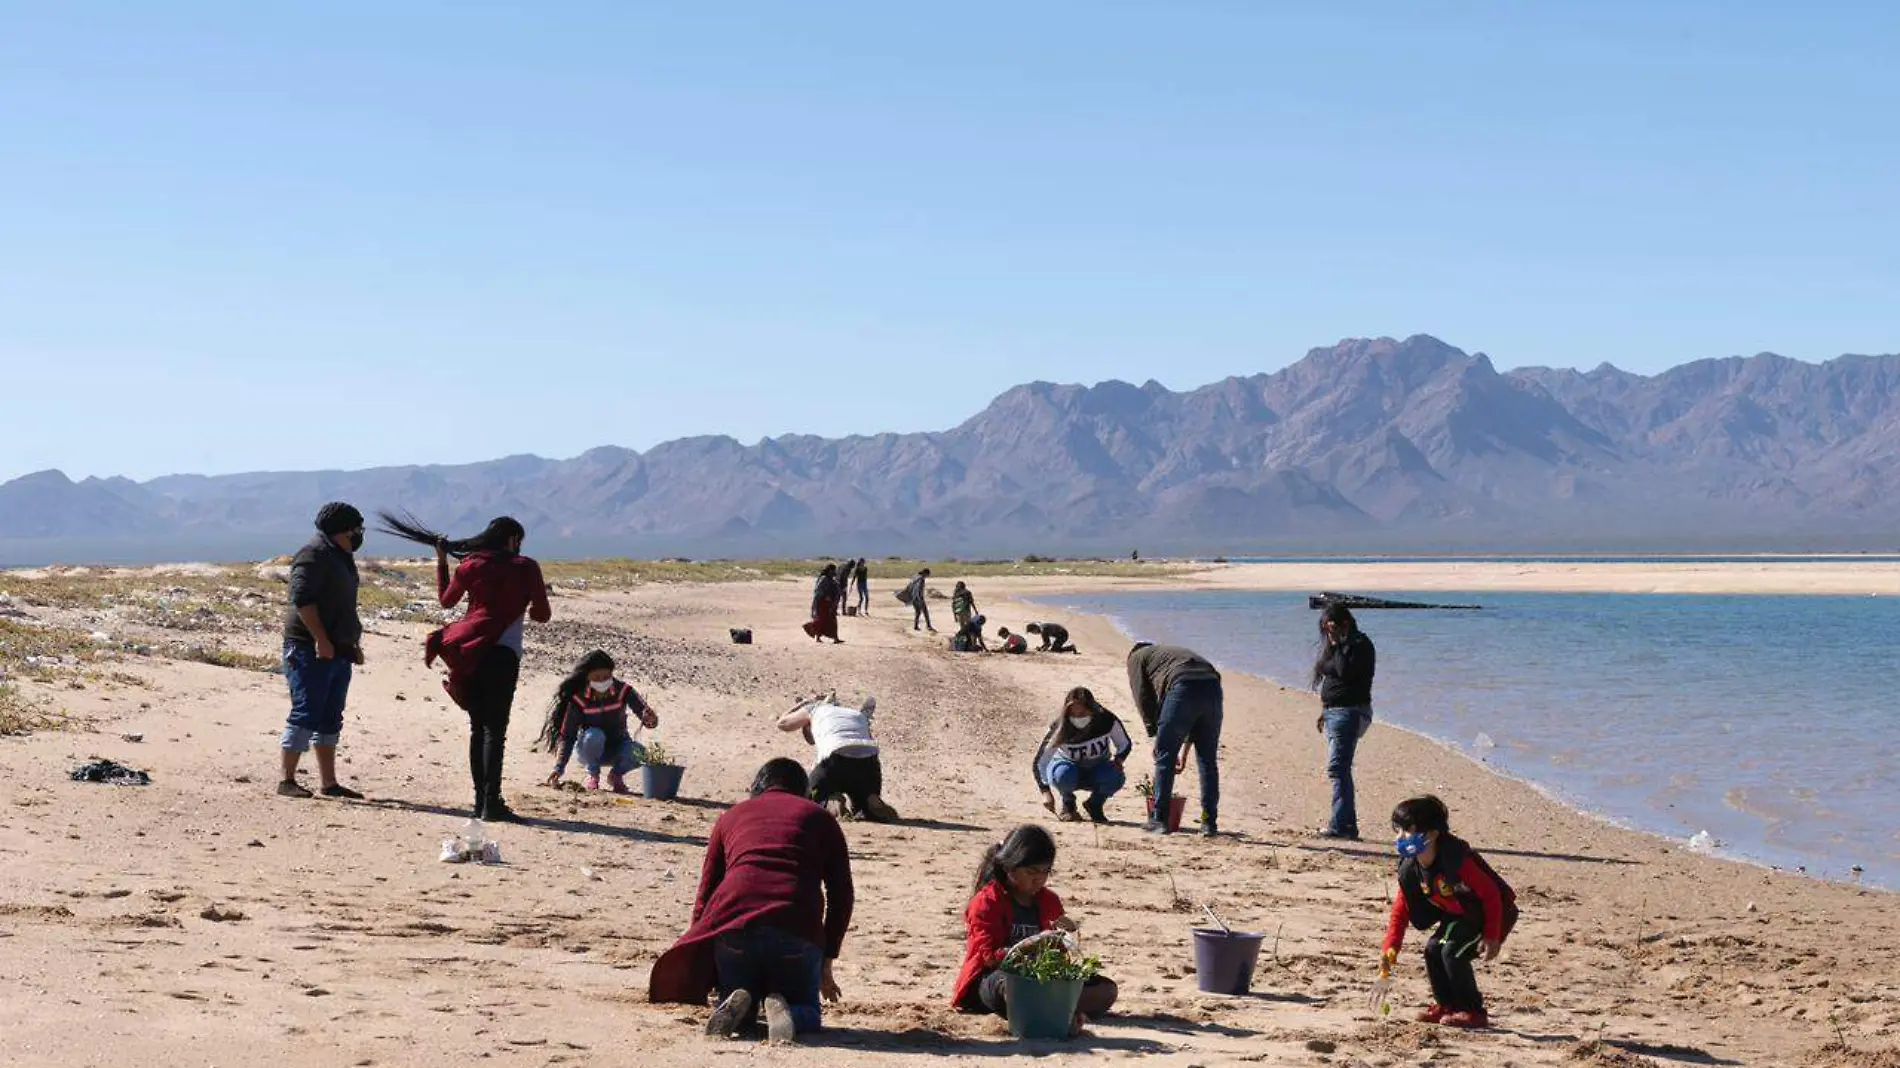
1179, 696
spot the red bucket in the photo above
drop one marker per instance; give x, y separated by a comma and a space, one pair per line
1177, 807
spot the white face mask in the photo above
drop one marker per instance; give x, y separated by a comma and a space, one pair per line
601, 687
1081, 721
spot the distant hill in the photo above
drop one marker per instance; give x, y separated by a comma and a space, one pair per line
1368, 445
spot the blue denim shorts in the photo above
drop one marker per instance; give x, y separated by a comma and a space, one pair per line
319, 689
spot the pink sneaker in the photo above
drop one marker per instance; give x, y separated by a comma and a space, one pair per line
593, 782
619, 784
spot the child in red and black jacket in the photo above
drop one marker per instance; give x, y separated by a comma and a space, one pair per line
1444, 881
1013, 909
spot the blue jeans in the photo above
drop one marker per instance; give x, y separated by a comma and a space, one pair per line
1344, 728
771, 960
592, 751
318, 691
1101, 780
1190, 712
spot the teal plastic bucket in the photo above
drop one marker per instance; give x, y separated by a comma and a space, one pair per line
1223, 961
1041, 1010
661, 782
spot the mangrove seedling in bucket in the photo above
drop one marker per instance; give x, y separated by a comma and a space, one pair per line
1052, 961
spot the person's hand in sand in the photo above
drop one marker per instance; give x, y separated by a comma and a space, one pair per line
1491, 948
828, 986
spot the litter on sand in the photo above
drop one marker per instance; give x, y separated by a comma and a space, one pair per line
112, 773
472, 844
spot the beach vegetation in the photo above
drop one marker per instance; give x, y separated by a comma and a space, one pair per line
1051, 962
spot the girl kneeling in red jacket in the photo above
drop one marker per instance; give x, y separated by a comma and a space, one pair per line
1011, 908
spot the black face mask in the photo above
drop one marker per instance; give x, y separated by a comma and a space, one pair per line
356, 541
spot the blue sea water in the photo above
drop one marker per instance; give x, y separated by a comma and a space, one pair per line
1771, 722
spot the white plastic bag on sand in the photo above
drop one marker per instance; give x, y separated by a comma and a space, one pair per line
472, 844
1702, 842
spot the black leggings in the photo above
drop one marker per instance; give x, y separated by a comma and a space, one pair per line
491, 698
1448, 956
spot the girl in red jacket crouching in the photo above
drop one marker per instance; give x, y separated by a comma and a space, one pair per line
1443, 881
1011, 908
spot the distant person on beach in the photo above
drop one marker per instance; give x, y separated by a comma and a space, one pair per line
917, 596
969, 637
482, 650
1012, 643
1343, 677
824, 607
864, 588
773, 906
962, 604
849, 776
1012, 910
590, 715
1444, 882
1055, 637
1084, 750
1179, 696
844, 584
323, 644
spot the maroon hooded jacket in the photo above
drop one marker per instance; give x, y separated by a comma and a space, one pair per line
501, 587
776, 859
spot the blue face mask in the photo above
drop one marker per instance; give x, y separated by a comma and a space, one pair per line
1411, 845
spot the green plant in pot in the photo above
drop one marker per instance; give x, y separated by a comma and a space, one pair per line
1043, 984
659, 775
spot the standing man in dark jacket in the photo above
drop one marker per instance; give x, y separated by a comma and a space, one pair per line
323, 642
1179, 696
918, 597
1343, 677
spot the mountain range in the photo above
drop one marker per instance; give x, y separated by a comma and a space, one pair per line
1368, 445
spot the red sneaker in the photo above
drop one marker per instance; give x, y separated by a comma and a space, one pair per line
1470, 1021
1433, 1014
616, 783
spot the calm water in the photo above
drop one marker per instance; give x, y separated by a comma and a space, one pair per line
1769, 722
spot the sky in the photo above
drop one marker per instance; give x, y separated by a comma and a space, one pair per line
240, 236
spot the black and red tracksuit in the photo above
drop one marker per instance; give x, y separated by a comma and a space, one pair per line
1468, 902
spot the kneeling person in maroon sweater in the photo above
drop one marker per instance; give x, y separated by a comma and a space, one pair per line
773, 905
1444, 882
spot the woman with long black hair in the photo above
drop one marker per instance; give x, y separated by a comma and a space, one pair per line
824, 607
1343, 676
483, 649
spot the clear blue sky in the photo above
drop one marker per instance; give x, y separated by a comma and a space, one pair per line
243, 235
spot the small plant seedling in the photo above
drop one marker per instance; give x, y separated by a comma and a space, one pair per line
658, 756
1050, 962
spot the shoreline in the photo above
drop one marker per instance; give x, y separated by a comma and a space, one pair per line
209, 937
1575, 805
1765, 578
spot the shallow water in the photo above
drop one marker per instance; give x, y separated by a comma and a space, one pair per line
1769, 721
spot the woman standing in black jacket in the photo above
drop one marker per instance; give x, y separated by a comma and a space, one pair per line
1343, 677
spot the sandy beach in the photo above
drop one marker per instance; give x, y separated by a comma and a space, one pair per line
202, 920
